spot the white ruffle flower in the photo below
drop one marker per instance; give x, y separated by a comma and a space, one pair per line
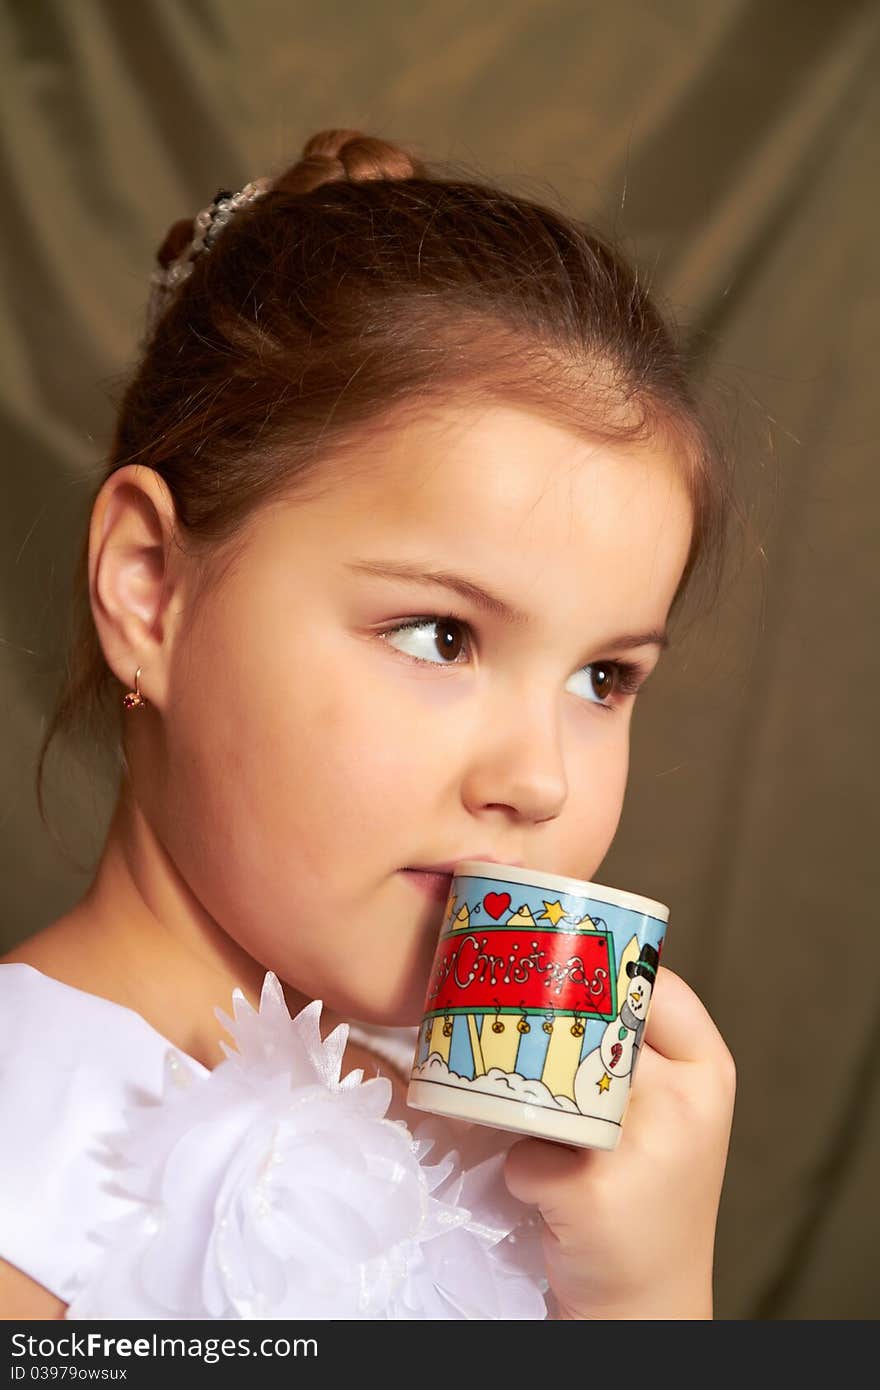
270, 1188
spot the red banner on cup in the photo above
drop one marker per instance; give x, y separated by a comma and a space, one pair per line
524, 969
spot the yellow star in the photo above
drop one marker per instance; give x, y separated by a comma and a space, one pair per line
605, 1083
552, 912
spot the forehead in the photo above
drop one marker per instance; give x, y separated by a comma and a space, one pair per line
509, 494
508, 465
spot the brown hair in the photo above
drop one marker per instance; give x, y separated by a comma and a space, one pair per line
360, 286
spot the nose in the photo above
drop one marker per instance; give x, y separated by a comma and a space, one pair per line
518, 760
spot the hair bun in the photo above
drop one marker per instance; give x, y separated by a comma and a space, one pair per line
334, 156
330, 156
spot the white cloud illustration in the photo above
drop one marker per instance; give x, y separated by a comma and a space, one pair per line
495, 1082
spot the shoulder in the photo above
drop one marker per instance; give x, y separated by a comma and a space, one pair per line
56, 950
52, 1027
23, 1298
70, 1065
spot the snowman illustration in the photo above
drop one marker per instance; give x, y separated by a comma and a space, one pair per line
602, 1081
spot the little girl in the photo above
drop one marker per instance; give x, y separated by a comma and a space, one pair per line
403, 493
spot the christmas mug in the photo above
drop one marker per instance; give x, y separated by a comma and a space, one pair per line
536, 1003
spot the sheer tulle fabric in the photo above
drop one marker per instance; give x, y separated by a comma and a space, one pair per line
269, 1187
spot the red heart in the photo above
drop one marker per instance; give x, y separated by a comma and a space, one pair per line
496, 903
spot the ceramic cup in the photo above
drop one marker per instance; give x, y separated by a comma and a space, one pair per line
536, 1003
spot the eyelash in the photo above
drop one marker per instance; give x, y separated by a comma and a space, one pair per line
630, 674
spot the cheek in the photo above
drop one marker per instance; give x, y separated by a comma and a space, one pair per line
297, 780
597, 787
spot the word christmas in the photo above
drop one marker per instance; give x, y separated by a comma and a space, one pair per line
509, 969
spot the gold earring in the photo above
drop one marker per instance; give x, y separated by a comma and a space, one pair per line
134, 699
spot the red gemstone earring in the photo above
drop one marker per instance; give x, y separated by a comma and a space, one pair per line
134, 699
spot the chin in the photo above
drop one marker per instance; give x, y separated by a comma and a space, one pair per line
391, 1017
404, 1010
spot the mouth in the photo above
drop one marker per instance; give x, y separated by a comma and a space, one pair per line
436, 879
434, 885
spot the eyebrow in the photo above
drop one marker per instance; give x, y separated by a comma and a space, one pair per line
485, 599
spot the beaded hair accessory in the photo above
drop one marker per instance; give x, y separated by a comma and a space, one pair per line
207, 226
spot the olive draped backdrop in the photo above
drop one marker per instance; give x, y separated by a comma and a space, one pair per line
733, 146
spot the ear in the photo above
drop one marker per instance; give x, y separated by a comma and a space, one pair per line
135, 578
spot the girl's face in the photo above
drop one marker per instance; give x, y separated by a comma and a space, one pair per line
312, 750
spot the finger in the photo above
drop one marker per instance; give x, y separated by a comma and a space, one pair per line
679, 1026
539, 1170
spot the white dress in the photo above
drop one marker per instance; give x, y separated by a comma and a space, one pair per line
136, 1183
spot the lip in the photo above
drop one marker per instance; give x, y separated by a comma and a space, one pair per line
435, 879
448, 867
435, 885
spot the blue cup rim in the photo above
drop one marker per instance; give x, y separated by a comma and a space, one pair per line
575, 887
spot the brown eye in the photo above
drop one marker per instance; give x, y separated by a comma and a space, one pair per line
603, 675
428, 639
448, 637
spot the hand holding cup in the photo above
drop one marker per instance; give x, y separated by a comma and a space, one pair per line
535, 1018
